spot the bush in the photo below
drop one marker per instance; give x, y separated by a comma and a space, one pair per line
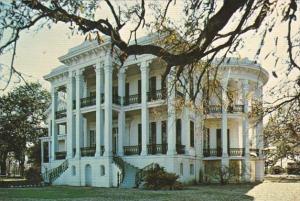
276, 170
293, 168
157, 178
33, 175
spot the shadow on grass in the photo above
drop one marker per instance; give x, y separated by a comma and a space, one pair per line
190, 193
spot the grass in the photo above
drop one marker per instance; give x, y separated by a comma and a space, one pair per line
243, 192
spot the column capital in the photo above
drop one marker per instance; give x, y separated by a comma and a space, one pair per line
144, 65
245, 84
79, 72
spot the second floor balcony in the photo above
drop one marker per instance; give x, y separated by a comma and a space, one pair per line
217, 109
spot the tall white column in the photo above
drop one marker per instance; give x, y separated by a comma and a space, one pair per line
185, 130
225, 159
171, 113
53, 123
99, 112
259, 126
121, 115
246, 165
108, 106
145, 112
70, 117
78, 112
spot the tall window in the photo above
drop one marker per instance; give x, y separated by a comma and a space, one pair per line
152, 88
152, 139
192, 169
73, 170
178, 131
92, 138
206, 138
181, 169
164, 136
139, 134
192, 129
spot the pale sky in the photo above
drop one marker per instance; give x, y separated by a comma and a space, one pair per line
38, 52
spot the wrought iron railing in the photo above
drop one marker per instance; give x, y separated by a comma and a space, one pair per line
180, 149
157, 148
212, 109
60, 155
88, 151
212, 152
60, 114
132, 99
236, 151
132, 150
121, 164
88, 101
50, 175
116, 100
156, 95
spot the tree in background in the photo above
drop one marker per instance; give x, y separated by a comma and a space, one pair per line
191, 39
282, 135
22, 121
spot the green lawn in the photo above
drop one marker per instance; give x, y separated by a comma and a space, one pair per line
243, 192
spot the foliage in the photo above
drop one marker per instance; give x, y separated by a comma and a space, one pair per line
282, 135
190, 40
157, 178
21, 119
293, 168
33, 175
276, 170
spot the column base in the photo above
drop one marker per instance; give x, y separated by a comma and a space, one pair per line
171, 152
97, 154
107, 153
225, 161
144, 153
69, 156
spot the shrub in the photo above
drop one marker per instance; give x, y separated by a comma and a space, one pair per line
157, 178
33, 175
276, 170
293, 168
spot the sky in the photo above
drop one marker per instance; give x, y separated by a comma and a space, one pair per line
38, 51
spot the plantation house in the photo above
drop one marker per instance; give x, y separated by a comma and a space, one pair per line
109, 124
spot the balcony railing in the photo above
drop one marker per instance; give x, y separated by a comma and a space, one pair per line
157, 148
212, 152
116, 100
88, 151
60, 155
236, 151
156, 95
213, 109
180, 149
132, 150
88, 101
132, 99
60, 114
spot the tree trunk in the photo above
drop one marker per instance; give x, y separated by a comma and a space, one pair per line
22, 168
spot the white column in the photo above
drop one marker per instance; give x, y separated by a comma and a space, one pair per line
53, 124
225, 159
121, 115
259, 126
70, 116
171, 113
78, 112
99, 112
246, 165
108, 106
185, 130
145, 112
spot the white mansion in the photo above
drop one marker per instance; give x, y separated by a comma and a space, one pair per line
108, 124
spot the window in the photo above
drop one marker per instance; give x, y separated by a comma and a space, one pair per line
92, 138
178, 131
73, 170
102, 170
206, 142
140, 134
192, 134
152, 137
181, 169
164, 135
192, 169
